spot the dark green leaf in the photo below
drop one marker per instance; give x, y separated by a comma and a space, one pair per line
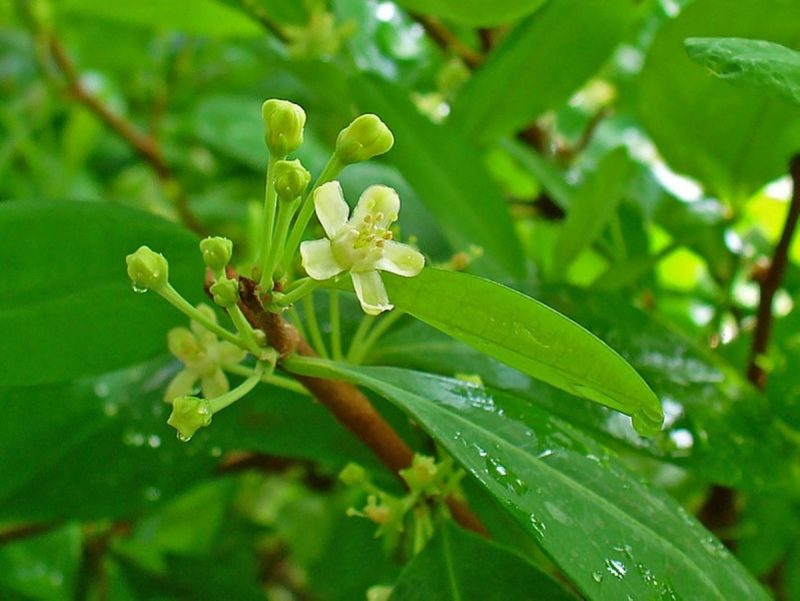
732, 140
770, 68
608, 531
542, 62
528, 335
474, 12
460, 566
66, 305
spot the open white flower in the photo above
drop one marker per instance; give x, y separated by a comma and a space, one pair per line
362, 245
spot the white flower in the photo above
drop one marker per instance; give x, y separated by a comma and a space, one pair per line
204, 357
362, 245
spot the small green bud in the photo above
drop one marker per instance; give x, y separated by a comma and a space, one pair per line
217, 252
147, 269
291, 179
353, 475
225, 292
283, 126
366, 137
421, 474
189, 414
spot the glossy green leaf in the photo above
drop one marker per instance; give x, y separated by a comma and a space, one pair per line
233, 125
542, 62
448, 175
591, 208
66, 305
613, 535
474, 12
101, 446
770, 68
460, 566
199, 17
732, 140
528, 335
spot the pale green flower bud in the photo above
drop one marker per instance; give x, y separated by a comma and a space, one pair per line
147, 269
283, 126
291, 179
421, 474
366, 137
217, 252
189, 414
353, 475
225, 292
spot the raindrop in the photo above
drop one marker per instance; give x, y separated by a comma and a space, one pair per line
616, 568
183, 438
154, 441
557, 513
138, 289
597, 576
538, 526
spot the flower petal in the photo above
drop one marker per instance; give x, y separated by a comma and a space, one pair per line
228, 353
375, 200
401, 259
331, 208
181, 385
215, 385
318, 260
371, 292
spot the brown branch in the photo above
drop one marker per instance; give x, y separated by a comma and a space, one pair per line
448, 41
144, 145
348, 405
771, 282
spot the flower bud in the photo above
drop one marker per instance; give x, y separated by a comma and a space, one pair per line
189, 414
283, 126
225, 292
366, 137
291, 179
421, 474
147, 269
217, 253
353, 475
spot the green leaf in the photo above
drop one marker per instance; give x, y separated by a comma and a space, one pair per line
540, 65
732, 140
198, 17
448, 175
476, 13
66, 305
460, 566
233, 125
591, 208
765, 66
43, 567
613, 535
101, 446
527, 335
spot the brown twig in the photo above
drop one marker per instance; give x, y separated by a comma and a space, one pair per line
144, 145
771, 282
448, 41
348, 405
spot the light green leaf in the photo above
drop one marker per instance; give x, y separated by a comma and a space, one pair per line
594, 203
66, 305
612, 535
474, 12
527, 335
765, 66
733, 140
460, 566
542, 62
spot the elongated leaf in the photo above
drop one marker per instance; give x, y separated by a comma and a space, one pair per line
66, 306
527, 335
448, 175
611, 534
460, 566
732, 140
474, 12
592, 206
541, 63
765, 66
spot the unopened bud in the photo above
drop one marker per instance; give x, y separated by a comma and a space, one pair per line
366, 137
353, 475
189, 414
291, 179
283, 126
420, 474
217, 253
225, 292
147, 269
